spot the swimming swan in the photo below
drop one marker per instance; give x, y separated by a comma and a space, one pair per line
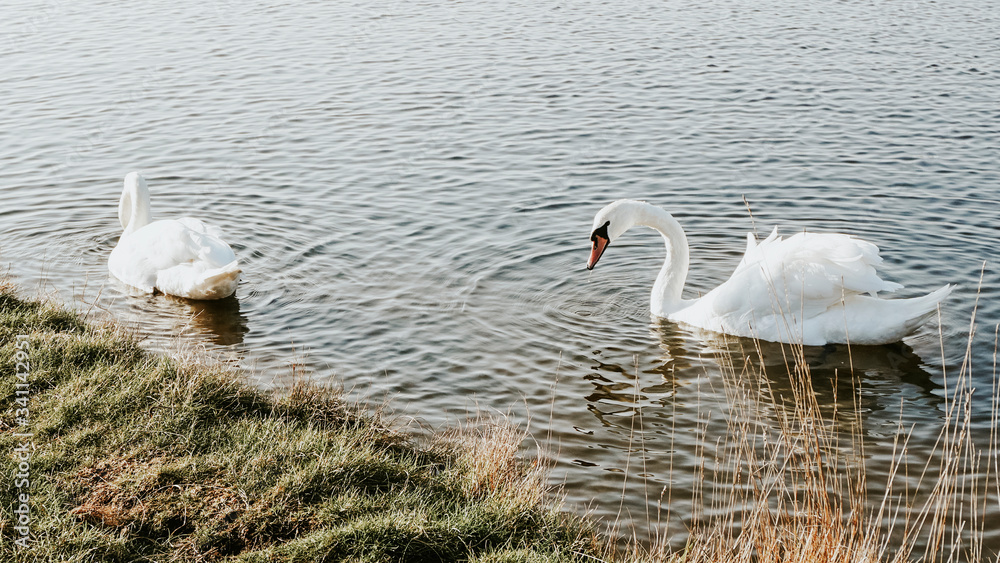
182, 257
810, 288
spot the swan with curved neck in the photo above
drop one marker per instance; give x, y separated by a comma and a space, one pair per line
182, 257
810, 288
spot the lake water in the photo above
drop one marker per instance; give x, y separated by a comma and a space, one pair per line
409, 187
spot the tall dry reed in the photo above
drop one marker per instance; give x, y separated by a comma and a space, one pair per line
789, 481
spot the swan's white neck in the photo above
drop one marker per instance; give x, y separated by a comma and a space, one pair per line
133, 207
666, 295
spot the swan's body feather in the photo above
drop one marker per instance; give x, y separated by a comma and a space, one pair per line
183, 257
810, 288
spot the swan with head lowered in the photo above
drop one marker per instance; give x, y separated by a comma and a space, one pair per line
810, 288
182, 257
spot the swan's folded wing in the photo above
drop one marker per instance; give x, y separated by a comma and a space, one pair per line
139, 257
168, 243
800, 277
202, 227
206, 243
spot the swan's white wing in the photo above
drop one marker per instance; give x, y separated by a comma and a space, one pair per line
786, 281
164, 244
206, 242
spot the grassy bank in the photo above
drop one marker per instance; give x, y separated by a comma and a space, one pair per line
140, 457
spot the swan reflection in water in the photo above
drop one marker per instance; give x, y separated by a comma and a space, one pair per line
219, 321
699, 370
681, 421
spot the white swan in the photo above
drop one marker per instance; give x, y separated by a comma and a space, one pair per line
810, 289
182, 257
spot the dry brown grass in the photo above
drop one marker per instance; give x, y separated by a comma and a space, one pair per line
488, 451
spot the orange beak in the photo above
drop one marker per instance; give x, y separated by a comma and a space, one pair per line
600, 243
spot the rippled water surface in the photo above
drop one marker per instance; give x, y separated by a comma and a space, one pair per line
409, 187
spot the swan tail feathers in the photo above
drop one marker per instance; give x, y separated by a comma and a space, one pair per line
216, 275
938, 295
925, 307
233, 266
218, 283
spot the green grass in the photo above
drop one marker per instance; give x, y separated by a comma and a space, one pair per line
141, 457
